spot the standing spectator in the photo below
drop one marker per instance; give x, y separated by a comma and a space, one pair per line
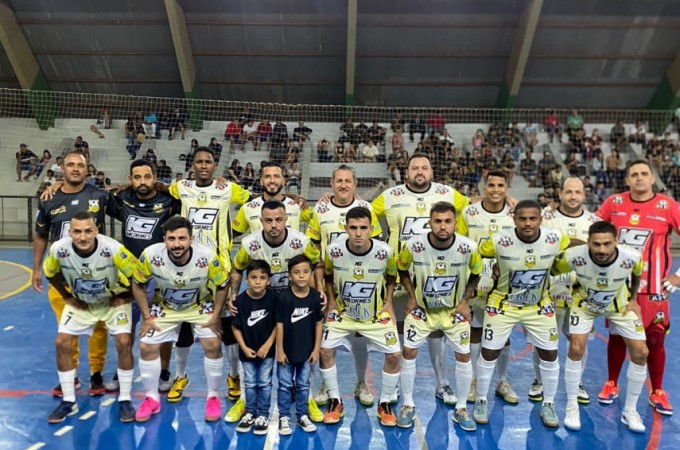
397, 140
370, 152
44, 161
377, 133
232, 134
529, 135
248, 178
398, 122
130, 133
392, 166
597, 167
417, 125
613, 167
301, 133
189, 157
47, 181
280, 134
638, 134
294, 175
552, 126
617, 133
163, 172
249, 133
347, 131
216, 147
102, 182
436, 123
150, 124
545, 165
478, 140
507, 166
177, 123
91, 170
361, 133
572, 163
163, 124
84, 149
264, 133
235, 171
150, 156
574, 122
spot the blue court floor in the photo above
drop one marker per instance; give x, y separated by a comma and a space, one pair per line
28, 373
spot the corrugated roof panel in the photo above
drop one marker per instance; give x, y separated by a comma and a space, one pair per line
590, 8
98, 8
584, 97
143, 89
250, 7
437, 7
638, 71
415, 71
455, 96
109, 67
276, 93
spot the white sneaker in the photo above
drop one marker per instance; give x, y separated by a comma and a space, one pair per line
321, 397
284, 426
364, 395
305, 424
572, 421
632, 419
446, 395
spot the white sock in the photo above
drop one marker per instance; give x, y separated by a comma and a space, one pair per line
232, 354
536, 360
550, 374
181, 359
572, 377
360, 353
463, 380
434, 347
389, 384
125, 384
503, 363
408, 379
475, 348
636, 379
583, 363
67, 380
330, 380
150, 371
213, 374
484, 374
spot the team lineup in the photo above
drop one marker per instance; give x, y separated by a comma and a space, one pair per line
453, 271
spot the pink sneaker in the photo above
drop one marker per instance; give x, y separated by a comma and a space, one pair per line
148, 408
213, 409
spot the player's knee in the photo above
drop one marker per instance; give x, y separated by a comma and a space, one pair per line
639, 354
213, 350
489, 354
148, 352
64, 342
123, 342
326, 358
547, 355
576, 350
409, 353
392, 361
462, 357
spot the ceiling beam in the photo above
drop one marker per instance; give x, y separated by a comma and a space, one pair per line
351, 61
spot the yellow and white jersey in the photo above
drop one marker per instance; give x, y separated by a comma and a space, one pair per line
328, 222
601, 289
524, 266
255, 246
96, 278
360, 279
408, 213
248, 216
207, 208
573, 228
181, 287
439, 276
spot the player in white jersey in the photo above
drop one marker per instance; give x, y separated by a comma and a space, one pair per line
363, 272
603, 270
573, 221
405, 208
524, 257
328, 222
479, 221
446, 268
272, 180
186, 274
90, 272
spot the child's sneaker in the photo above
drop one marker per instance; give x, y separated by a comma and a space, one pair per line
305, 424
245, 424
284, 426
261, 425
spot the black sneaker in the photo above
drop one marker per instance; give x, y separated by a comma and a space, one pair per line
164, 382
246, 423
57, 392
62, 411
126, 411
97, 384
261, 425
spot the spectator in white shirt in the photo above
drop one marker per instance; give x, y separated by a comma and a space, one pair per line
57, 168
370, 152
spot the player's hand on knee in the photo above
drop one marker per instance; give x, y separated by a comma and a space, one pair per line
635, 308
671, 284
148, 327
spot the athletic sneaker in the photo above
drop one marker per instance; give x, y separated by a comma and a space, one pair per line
609, 392
445, 394
177, 390
305, 424
583, 397
261, 425
536, 391
395, 396
164, 382
148, 408
362, 393
236, 412
97, 384
213, 409
472, 396
245, 424
313, 411
126, 412
504, 391
334, 411
233, 388
62, 411
659, 400
321, 397
480, 413
57, 392
284, 426
386, 415
112, 385
462, 418
406, 415
572, 420
549, 415
632, 419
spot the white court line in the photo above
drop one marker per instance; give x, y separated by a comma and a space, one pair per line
108, 401
87, 415
7, 329
273, 432
63, 430
36, 446
419, 433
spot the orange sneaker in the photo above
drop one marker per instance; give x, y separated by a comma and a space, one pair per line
386, 415
609, 392
334, 411
659, 401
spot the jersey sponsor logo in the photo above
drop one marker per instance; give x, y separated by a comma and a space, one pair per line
660, 317
279, 281
464, 249
256, 316
296, 244
618, 200
418, 247
579, 261
140, 227
322, 208
437, 287
335, 253
299, 314
415, 226
157, 208
657, 298
663, 204
254, 246
358, 273
390, 338
530, 261
505, 241
440, 267
527, 279
105, 253
93, 206
56, 211
277, 264
441, 190
186, 183
381, 255
62, 253
634, 219
87, 287
177, 298
634, 237
396, 192
551, 238
157, 261
601, 298
472, 211
202, 263
203, 218
357, 291
419, 314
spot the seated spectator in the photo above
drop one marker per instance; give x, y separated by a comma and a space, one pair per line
245, 117
340, 152
402, 164
179, 176
543, 201
377, 133
84, 149
248, 134
232, 134
397, 140
293, 176
150, 156
346, 132
150, 124
572, 163
248, 178
47, 181
552, 126
600, 193
545, 165
294, 149
575, 122
398, 123
613, 165
189, 156
555, 176
235, 171
301, 133
529, 168
446, 137
529, 134
478, 140
280, 134
617, 133
595, 139
638, 133
216, 147
417, 125
163, 172
163, 123
370, 152
508, 167
102, 182
44, 161
352, 153
191, 176
361, 133
58, 168
323, 151
130, 133
26, 161
103, 121
673, 182
79, 143
597, 167
177, 122
92, 170
264, 133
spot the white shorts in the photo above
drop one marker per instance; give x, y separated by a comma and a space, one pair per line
540, 327
477, 307
79, 322
419, 324
562, 315
625, 325
170, 321
380, 337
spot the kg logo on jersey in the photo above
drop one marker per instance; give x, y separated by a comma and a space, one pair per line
93, 206
296, 244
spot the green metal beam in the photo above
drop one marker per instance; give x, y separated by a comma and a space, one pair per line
519, 55
351, 51
185, 62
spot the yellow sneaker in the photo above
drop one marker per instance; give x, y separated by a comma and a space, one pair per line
314, 413
234, 388
177, 390
236, 412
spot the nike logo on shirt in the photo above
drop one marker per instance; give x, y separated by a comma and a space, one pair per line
299, 314
256, 316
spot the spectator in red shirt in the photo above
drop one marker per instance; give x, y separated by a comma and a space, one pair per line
233, 134
552, 125
264, 133
436, 123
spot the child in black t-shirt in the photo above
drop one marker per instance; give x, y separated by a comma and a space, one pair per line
299, 322
254, 328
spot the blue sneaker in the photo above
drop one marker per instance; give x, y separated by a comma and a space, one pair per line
480, 412
406, 415
462, 418
62, 411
